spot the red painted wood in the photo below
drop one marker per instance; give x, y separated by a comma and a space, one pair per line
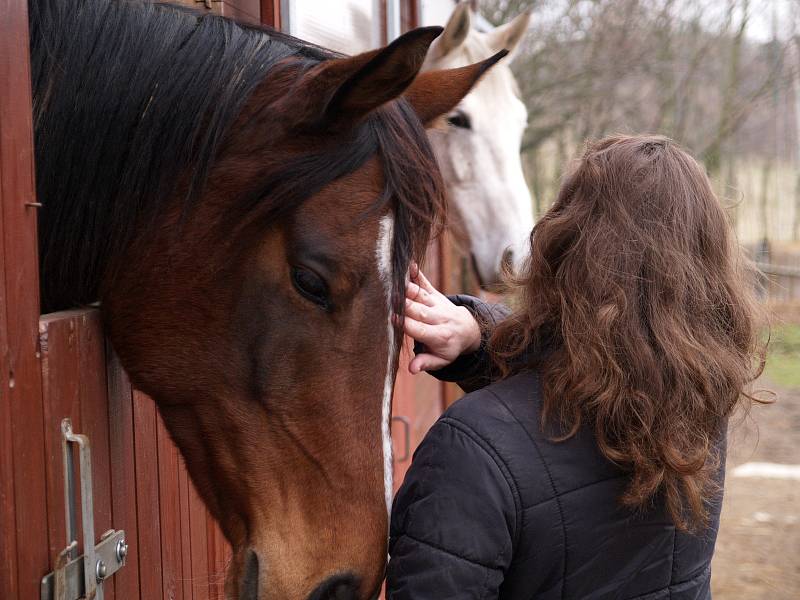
247, 10
94, 420
169, 508
8, 541
218, 557
271, 13
418, 398
123, 475
198, 543
185, 540
409, 14
24, 544
147, 497
61, 389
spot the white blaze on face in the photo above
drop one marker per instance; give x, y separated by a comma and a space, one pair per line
383, 254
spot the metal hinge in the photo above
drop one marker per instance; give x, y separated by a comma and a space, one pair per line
82, 576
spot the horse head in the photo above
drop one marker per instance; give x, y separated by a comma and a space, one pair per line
479, 153
249, 257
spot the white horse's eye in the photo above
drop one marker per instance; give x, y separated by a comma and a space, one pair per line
460, 119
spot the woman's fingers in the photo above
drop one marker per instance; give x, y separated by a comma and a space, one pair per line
415, 293
426, 362
423, 282
422, 332
413, 270
422, 312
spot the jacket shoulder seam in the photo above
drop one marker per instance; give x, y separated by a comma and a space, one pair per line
492, 452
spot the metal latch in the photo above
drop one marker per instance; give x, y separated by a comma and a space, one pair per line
82, 576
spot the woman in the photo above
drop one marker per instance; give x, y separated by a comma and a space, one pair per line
593, 466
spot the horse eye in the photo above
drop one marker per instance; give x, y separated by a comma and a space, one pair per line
459, 119
310, 286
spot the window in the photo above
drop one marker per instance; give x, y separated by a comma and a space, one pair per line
348, 26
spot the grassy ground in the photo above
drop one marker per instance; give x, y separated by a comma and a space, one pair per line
758, 549
783, 360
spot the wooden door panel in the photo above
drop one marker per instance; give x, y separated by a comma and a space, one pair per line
94, 419
147, 500
169, 514
198, 545
62, 399
123, 474
419, 399
24, 542
74, 386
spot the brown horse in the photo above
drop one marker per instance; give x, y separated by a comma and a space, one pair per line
245, 207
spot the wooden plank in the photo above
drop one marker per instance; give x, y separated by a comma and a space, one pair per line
404, 408
271, 13
234, 12
198, 516
23, 493
169, 508
94, 420
409, 14
147, 499
58, 340
218, 557
123, 475
186, 541
246, 10
8, 541
417, 398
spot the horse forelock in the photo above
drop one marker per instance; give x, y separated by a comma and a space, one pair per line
108, 161
131, 100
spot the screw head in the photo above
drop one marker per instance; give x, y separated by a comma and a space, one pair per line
122, 550
101, 570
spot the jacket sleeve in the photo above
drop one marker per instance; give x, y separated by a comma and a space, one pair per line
474, 370
453, 520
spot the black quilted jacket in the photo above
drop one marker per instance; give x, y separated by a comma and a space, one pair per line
492, 509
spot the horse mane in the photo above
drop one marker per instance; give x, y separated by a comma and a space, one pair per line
108, 161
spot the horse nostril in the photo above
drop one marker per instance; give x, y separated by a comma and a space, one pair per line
249, 587
338, 587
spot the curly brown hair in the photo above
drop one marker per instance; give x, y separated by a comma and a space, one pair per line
638, 310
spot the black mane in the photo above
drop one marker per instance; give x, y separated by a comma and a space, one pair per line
130, 96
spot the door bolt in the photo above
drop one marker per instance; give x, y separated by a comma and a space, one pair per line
101, 571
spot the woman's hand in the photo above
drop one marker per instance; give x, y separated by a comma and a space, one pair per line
446, 330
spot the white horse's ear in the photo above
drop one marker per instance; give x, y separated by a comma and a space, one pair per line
508, 36
455, 32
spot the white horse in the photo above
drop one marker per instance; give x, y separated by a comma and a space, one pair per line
479, 153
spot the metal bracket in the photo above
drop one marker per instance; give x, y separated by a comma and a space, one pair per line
82, 576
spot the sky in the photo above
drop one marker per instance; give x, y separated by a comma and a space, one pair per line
765, 12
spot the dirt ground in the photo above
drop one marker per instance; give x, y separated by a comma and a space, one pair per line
758, 549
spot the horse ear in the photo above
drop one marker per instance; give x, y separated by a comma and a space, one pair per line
342, 91
509, 36
436, 93
455, 32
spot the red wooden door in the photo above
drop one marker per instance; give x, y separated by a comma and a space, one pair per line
140, 483
23, 522
58, 366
